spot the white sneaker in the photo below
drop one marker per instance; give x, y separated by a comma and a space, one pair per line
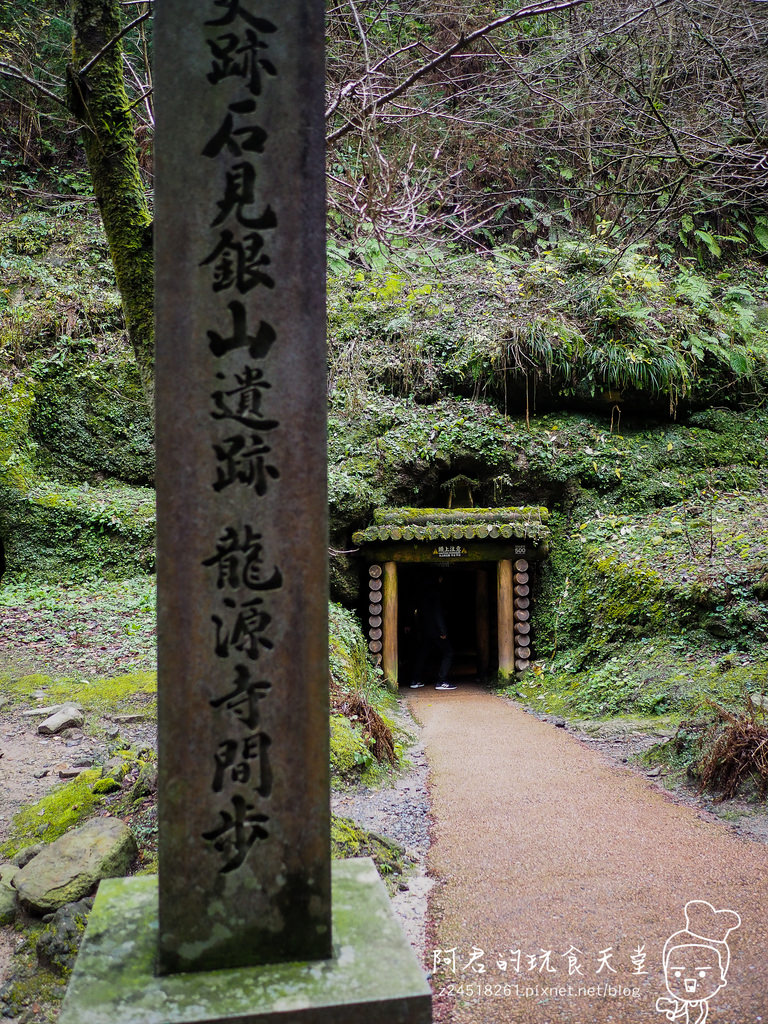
445, 686
415, 686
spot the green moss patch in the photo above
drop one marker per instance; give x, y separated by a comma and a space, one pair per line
712, 546
350, 750
61, 809
90, 417
16, 448
349, 839
120, 693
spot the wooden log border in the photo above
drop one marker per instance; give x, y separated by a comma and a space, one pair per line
374, 612
522, 615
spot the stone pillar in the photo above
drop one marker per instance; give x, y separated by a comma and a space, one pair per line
241, 483
506, 621
389, 625
244, 927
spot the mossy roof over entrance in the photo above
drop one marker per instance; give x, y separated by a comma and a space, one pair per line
390, 524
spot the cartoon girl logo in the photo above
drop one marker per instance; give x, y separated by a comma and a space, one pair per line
696, 962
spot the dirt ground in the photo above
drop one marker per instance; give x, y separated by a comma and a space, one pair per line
31, 764
465, 805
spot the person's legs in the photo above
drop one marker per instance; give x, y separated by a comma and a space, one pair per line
446, 658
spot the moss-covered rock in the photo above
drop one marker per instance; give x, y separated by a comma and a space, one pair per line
57, 945
30, 985
70, 867
348, 839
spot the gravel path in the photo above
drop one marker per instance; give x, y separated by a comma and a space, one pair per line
400, 812
562, 875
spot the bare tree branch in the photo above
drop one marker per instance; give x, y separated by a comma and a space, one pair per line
11, 71
461, 43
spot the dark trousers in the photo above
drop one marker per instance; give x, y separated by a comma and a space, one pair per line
429, 647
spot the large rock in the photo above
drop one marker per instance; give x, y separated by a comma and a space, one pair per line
70, 867
69, 717
8, 896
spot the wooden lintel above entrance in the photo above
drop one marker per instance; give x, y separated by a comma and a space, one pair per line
455, 551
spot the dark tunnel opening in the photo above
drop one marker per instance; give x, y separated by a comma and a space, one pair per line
467, 597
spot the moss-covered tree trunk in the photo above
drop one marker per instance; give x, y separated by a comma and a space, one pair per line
97, 97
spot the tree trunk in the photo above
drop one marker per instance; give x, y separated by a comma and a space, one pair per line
97, 97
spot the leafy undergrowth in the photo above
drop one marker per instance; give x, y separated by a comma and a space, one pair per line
723, 750
58, 286
366, 743
662, 676
712, 546
378, 734
581, 317
98, 628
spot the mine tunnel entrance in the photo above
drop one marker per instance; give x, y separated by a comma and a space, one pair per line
468, 603
479, 561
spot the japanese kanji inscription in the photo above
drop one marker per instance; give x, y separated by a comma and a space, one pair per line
242, 520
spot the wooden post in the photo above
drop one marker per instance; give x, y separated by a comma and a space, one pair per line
506, 625
481, 612
390, 624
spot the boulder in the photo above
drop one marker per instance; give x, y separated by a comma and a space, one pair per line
51, 709
71, 866
145, 784
68, 717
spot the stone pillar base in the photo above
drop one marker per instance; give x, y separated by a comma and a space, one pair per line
373, 976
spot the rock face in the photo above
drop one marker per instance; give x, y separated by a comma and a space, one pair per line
70, 867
